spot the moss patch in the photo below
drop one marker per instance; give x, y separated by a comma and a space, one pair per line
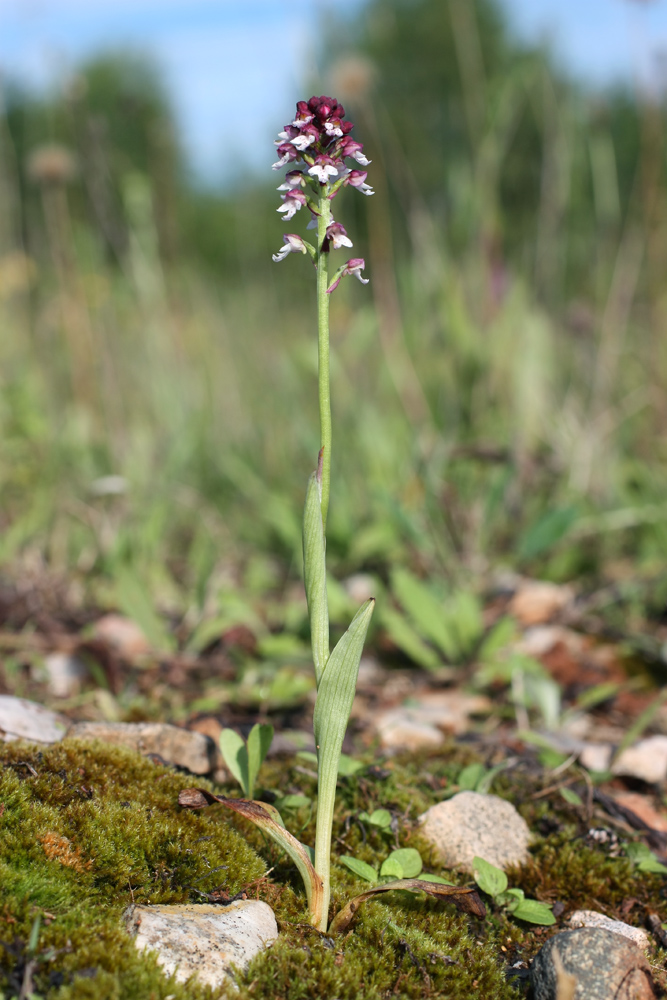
88, 827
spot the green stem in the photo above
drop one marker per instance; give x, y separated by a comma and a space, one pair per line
325, 796
323, 220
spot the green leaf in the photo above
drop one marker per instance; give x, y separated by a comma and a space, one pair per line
235, 755
438, 879
315, 576
571, 796
484, 784
407, 639
406, 862
381, 818
510, 898
332, 709
360, 868
259, 743
549, 529
135, 601
347, 766
293, 801
470, 776
425, 610
644, 858
534, 912
652, 865
490, 879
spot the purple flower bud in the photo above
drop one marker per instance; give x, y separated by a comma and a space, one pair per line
293, 179
293, 244
350, 147
353, 267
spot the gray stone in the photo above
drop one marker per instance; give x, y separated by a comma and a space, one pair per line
26, 720
471, 824
203, 940
603, 964
193, 751
591, 918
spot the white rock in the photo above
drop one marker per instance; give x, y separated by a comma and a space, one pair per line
471, 824
591, 918
26, 720
595, 756
203, 940
646, 760
398, 731
182, 747
64, 674
419, 723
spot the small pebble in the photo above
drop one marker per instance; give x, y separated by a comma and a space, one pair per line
591, 918
603, 964
471, 824
646, 760
64, 674
21, 719
203, 940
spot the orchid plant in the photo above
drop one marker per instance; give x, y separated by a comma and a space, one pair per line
317, 147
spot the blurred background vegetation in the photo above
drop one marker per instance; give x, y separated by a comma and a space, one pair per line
499, 396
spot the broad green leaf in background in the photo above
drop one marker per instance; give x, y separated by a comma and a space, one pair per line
405, 862
347, 766
644, 858
425, 610
259, 743
360, 868
470, 776
235, 755
379, 817
549, 529
315, 576
490, 879
401, 632
571, 796
134, 600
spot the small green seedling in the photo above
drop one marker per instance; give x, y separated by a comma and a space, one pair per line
244, 760
493, 881
381, 818
644, 859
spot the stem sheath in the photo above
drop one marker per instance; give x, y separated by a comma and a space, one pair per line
323, 221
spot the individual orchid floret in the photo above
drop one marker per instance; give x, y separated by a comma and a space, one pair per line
336, 237
350, 147
357, 179
293, 244
293, 179
353, 267
287, 152
324, 169
292, 203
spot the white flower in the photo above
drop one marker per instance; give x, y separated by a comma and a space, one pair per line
333, 130
323, 171
360, 158
285, 158
293, 244
302, 142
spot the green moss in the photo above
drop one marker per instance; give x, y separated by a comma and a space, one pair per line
96, 826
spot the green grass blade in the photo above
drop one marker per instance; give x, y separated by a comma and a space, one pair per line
425, 610
315, 577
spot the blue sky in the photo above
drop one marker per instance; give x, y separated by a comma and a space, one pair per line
221, 57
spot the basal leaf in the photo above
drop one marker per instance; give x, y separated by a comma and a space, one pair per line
425, 610
408, 639
360, 868
259, 743
534, 912
235, 755
315, 577
269, 821
405, 862
466, 900
490, 879
381, 818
